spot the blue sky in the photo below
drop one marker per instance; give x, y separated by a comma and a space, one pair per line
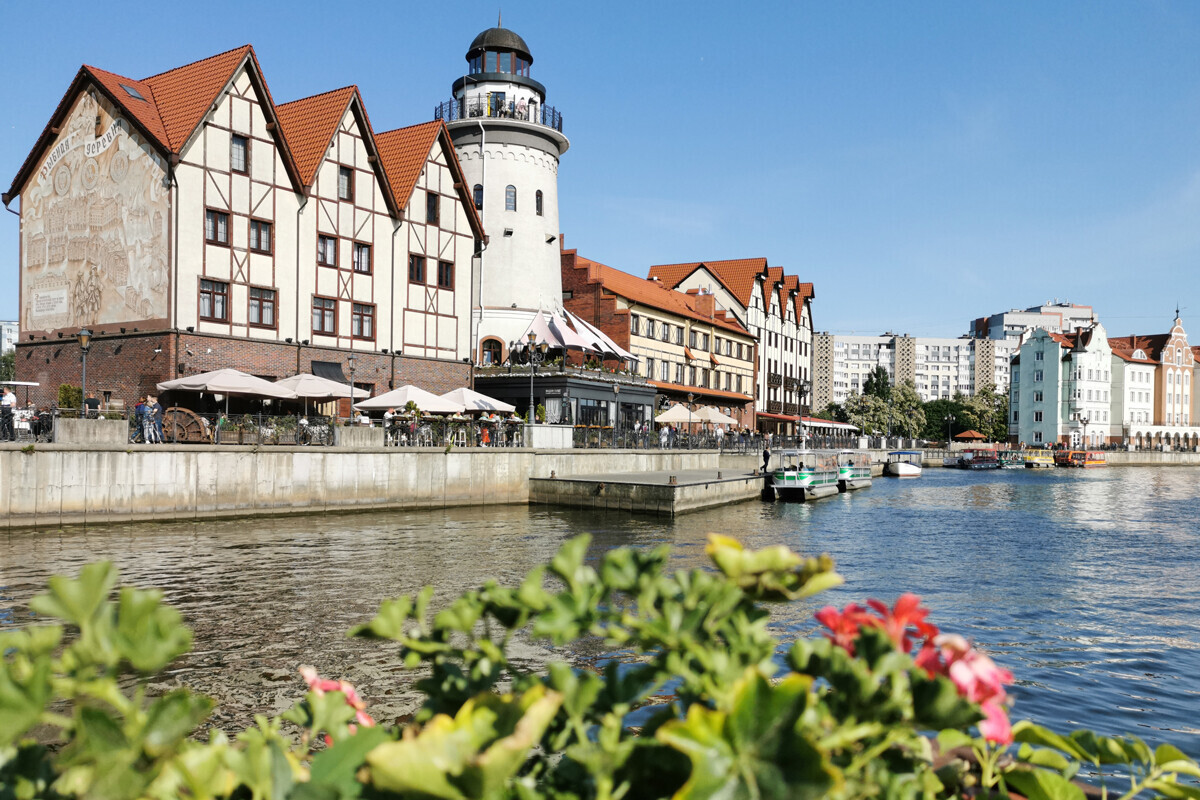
921, 163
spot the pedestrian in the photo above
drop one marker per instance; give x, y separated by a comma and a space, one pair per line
766, 456
139, 421
91, 406
157, 414
720, 437
8, 402
663, 433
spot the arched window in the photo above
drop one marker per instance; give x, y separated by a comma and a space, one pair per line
510, 198
492, 352
537, 202
479, 196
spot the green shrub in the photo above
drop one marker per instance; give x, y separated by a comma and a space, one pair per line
721, 714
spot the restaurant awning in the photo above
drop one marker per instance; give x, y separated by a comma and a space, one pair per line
330, 370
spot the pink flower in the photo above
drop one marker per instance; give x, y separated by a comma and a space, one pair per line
995, 726
321, 685
843, 625
905, 622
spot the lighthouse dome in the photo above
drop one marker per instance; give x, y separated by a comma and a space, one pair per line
495, 39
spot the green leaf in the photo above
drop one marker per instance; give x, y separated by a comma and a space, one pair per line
1026, 731
950, 738
389, 622
1038, 784
171, 718
77, 601
337, 766
148, 635
1166, 753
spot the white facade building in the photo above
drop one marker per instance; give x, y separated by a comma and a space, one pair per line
9, 331
1062, 389
509, 143
1051, 316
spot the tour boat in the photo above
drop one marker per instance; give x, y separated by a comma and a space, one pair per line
904, 464
983, 458
1039, 459
805, 475
854, 470
1084, 458
1010, 459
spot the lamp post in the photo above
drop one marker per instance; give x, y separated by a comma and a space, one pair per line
535, 357
690, 398
616, 410
805, 388
1084, 421
85, 344
949, 422
351, 361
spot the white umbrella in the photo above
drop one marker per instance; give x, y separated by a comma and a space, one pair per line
677, 413
428, 402
317, 388
710, 414
227, 382
474, 401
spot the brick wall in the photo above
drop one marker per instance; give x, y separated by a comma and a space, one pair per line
589, 304
127, 366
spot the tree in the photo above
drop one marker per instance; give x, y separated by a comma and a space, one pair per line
878, 384
936, 414
8, 366
833, 411
906, 414
868, 412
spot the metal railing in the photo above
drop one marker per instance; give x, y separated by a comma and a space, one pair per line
486, 107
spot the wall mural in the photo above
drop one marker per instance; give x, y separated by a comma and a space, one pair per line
94, 227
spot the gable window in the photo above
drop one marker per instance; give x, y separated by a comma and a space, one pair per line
362, 258
478, 196
327, 251
216, 227
416, 269
239, 154
537, 202
362, 321
262, 307
324, 315
510, 198
260, 236
214, 300
431, 208
345, 183
445, 275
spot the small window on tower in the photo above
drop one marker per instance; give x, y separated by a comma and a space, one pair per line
537, 202
479, 196
510, 198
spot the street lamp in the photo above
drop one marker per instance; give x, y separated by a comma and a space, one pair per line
616, 410
949, 422
690, 398
1084, 421
85, 344
535, 357
351, 361
805, 388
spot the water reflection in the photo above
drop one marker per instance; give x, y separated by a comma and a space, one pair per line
1083, 583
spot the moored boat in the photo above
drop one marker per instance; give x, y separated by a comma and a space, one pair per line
982, 458
854, 470
1010, 459
903, 464
1085, 459
1039, 459
805, 475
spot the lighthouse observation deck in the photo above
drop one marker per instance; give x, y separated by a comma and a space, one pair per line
494, 105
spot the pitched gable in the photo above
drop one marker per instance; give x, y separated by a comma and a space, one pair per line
736, 275
184, 95
404, 152
309, 125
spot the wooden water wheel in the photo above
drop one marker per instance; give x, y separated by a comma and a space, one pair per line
183, 425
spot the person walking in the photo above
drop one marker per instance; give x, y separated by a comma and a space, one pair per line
8, 403
157, 413
766, 456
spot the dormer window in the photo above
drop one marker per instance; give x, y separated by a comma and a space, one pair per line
132, 92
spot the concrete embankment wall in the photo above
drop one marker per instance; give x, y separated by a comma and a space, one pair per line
53, 485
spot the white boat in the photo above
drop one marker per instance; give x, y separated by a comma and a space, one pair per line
805, 475
854, 470
903, 464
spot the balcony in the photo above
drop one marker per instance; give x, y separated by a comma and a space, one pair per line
481, 108
774, 407
791, 408
790, 384
774, 379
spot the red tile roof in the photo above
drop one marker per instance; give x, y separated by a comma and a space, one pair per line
1152, 346
700, 391
403, 153
145, 112
185, 94
309, 125
651, 293
736, 275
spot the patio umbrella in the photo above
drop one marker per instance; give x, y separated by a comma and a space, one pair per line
474, 401
710, 414
677, 413
314, 387
227, 382
428, 402
970, 435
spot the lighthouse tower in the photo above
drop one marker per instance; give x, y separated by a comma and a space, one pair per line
509, 143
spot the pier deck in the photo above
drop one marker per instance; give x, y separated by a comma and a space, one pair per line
665, 492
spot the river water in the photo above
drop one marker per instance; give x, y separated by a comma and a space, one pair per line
1084, 583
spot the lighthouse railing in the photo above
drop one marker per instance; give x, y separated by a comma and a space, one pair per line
484, 106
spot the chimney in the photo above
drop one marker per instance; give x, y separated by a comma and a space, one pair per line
705, 304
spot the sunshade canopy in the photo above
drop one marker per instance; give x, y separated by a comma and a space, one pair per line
710, 414
227, 381
677, 413
969, 435
471, 400
315, 387
427, 402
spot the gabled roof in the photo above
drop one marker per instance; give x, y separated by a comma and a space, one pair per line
736, 275
404, 152
650, 293
1152, 346
309, 125
171, 107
